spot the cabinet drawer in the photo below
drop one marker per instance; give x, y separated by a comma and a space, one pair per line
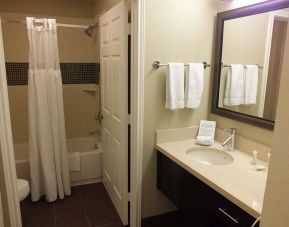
229, 213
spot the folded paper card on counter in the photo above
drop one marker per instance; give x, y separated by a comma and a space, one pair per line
207, 129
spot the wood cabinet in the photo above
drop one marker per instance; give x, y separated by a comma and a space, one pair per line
199, 202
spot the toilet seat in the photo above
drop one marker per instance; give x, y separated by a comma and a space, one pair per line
23, 189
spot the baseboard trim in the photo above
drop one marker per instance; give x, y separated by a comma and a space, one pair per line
84, 182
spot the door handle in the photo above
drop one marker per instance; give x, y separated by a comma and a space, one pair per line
228, 215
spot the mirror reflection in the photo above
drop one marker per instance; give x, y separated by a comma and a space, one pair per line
252, 58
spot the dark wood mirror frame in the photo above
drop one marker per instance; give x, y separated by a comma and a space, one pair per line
221, 18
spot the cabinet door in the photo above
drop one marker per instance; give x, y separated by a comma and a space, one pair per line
214, 221
218, 218
186, 192
201, 204
228, 213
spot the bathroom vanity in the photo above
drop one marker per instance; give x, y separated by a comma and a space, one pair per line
211, 194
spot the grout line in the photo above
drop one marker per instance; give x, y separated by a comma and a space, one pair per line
53, 205
68, 214
107, 224
84, 210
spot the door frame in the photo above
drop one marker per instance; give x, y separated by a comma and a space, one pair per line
273, 15
7, 165
137, 108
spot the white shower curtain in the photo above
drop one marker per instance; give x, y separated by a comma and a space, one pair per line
47, 141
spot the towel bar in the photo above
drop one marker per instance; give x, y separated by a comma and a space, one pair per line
157, 64
260, 67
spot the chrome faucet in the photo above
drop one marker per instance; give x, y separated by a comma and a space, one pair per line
231, 139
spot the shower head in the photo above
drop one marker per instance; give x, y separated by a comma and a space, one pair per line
90, 30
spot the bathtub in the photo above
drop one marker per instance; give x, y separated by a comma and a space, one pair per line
90, 160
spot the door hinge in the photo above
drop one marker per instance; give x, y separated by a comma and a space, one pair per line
129, 28
129, 119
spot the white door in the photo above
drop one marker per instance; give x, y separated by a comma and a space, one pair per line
114, 105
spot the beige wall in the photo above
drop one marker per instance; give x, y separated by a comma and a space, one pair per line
275, 208
248, 131
74, 46
103, 5
66, 8
174, 32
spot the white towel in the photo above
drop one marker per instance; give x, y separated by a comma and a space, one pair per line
74, 161
175, 86
234, 93
251, 84
194, 85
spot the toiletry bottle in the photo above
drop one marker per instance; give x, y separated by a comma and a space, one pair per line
268, 159
254, 157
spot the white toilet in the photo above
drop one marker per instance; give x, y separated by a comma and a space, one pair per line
23, 189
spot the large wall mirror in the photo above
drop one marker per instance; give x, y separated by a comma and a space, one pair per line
248, 62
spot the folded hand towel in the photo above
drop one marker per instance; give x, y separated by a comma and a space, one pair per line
234, 93
205, 139
251, 83
74, 161
194, 85
175, 86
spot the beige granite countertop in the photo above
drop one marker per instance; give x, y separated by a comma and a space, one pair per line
236, 181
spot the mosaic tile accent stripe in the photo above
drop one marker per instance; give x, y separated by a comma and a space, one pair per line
72, 73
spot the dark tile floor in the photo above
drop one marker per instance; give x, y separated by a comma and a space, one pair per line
88, 206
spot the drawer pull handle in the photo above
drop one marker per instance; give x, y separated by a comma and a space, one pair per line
228, 215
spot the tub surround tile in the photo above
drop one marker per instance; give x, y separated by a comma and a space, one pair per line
72, 73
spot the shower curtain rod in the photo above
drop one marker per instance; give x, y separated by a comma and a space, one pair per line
58, 24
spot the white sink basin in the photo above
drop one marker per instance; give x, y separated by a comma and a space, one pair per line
209, 156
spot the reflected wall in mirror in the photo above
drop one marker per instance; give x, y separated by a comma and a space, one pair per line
248, 64
254, 40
